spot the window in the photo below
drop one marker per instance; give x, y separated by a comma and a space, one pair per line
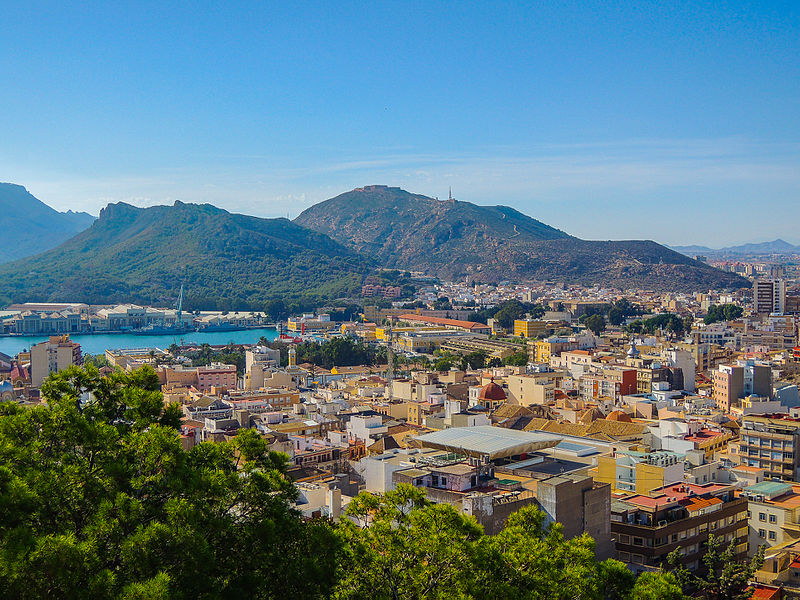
762, 516
637, 541
762, 533
772, 535
773, 519
624, 538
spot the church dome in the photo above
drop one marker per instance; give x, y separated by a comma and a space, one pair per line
492, 391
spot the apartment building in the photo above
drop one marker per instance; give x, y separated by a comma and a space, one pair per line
52, 356
728, 386
647, 527
769, 296
534, 388
770, 442
216, 375
640, 472
774, 514
609, 383
731, 383
543, 350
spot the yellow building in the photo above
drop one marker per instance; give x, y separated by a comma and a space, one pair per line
382, 333
639, 472
529, 329
542, 350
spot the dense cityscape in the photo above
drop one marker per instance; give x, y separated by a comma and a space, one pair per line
652, 422
400, 301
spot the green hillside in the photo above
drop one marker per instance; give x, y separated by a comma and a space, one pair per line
225, 260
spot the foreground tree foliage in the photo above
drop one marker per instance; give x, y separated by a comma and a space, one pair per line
722, 577
399, 545
99, 500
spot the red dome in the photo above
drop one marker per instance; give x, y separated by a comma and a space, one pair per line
492, 391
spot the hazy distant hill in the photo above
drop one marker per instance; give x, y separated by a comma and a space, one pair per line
30, 226
778, 246
226, 260
494, 243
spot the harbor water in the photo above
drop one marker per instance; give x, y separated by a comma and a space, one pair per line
97, 343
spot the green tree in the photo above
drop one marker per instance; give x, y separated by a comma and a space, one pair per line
399, 545
688, 323
98, 499
518, 359
656, 586
443, 364
96, 360
636, 326
442, 303
473, 360
595, 323
722, 576
615, 316
722, 312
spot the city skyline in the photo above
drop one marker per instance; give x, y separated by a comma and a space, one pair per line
612, 123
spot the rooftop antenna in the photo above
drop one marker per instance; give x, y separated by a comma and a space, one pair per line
450, 193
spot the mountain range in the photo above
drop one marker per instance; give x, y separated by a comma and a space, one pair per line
143, 255
778, 246
233, 261
30, 226
453, 240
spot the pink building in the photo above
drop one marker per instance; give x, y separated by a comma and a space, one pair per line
216, 375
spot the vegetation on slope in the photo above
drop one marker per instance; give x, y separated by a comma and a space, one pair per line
227, 261
493, 243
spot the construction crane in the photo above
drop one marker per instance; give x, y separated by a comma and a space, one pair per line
180, 306
390, 362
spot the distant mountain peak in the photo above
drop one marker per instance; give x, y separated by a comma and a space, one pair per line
31, 226
777, 246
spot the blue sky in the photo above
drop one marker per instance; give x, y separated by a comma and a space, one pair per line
667, 121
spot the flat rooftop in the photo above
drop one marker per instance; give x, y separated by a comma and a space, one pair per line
485, 440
